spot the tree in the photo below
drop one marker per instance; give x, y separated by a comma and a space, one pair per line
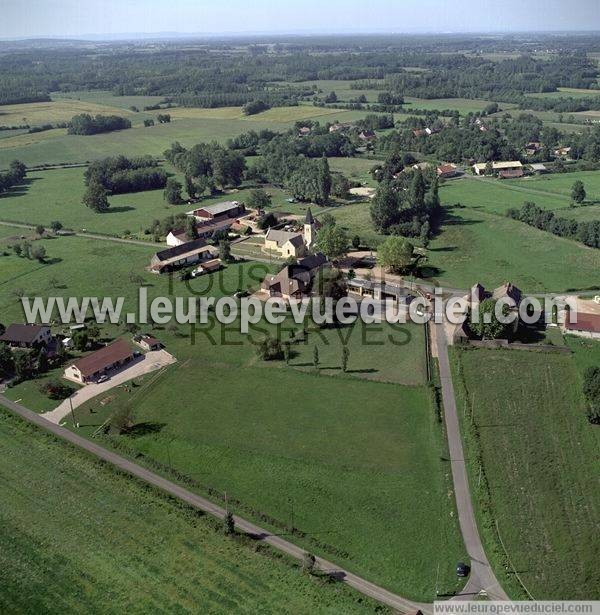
356, 242
42, 361
331, 98
332, 240
396, 254
229, 523
308, 562
55, 225
417, 190
40, 229
384, 208
259, 199
38, 253
95, 198
191, 229
578, 192
287, 351
148, 123
316, 357
489, 168
225, 251
80, 340
270, 349
345, 357
267, 221
23, 364
172, 191
7, 362
591, 390
493, 329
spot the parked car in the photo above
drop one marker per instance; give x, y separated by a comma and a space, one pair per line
103, 378
462, 570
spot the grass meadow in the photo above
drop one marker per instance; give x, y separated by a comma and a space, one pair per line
78, 537
523, 423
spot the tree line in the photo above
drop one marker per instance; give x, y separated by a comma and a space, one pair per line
14, 176
586, 232
85, 124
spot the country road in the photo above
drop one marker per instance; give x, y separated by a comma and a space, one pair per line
482, 577
358, 583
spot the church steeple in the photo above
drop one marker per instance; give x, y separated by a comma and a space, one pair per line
310, 229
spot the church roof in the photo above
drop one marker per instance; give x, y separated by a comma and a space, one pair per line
309, 217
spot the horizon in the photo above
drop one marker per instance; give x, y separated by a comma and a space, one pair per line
103, 20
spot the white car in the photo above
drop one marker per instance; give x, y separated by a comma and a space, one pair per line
597, 299
102, 379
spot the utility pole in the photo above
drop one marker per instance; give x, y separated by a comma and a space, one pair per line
72, 412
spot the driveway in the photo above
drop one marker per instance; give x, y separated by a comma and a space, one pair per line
145, 364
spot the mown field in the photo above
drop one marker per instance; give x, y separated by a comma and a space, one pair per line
475, 245
523, 422
349, 463
77, 537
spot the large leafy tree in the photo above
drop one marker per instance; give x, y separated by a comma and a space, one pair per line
494, 329
396, 254
95, 198
332, 240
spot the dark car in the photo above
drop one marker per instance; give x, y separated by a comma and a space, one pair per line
462, 569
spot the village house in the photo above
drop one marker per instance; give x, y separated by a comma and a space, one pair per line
176, 237
538, 167
340, 126
98, 363
367, 135
446, 171
207, 267
184, 254
147, 342
562, 152
480, 167
304, 131
380, 291
531, 149
26, 336
295, 281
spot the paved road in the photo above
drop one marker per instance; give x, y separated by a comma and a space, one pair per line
482, 576
149, 362
365, 587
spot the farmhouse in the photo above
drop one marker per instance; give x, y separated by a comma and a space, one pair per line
304, 131
207, 267
562, 152
101, 361
340, 126
177, 238
185, 254
295, 281
479, 168
511, 174
220, 211
531, 149
147, 342
538, 167
587, 325
26, 336
446, 171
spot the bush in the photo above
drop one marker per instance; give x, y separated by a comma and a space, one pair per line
55, 389
270, 349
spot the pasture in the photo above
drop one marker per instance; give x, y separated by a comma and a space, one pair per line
523, 423
63, 513
475, 245
55, 111
349, 463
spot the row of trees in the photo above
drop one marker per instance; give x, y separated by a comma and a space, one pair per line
586, 232
591, 391
85, 124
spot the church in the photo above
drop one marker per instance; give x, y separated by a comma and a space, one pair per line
287, 244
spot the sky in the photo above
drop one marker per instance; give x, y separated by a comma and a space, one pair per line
76, 18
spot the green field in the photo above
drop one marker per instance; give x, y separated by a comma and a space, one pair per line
189, 126
475, 245
77, 537
463, 105
566, 93
350, 463
523, 418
